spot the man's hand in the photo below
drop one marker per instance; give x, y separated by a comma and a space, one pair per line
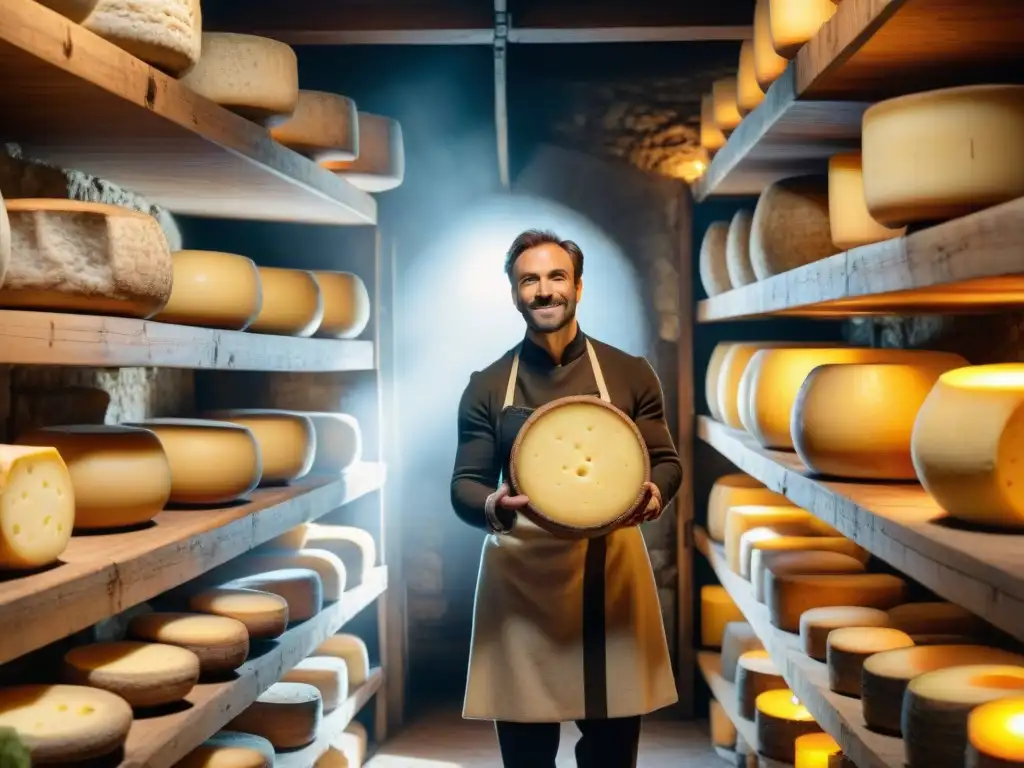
649, 511
501, 508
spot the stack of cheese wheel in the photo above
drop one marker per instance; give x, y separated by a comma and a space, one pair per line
353, 546
724, 95
748, 91
324, 127
737, 490
264, 614
232, 750
994, 737
717, 610
293, 304
737, 250
287, 441
351, 650
738, 638
723, 732
755, 674
794, 22
869, 437
815, 750
796, 560
346, 305
286, 714
790, 595
790, 227
301, 588
380, 165
711, 137
885, 676
781, 719
37, 507
327, 565
143, 674
847, 648
849, 220
926, 622
221, 643
761, 539
817, 624
768, 65
714, 274
740, 519
214, 290
328, 674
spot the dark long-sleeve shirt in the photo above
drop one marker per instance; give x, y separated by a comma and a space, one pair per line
633, 387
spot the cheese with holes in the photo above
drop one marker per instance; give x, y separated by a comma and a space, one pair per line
748, 91
346, 305
724, 96
324, 126
885, 676
381, 162
796, 560
711, 137
768, 64
37, 507
781, 719
815, 750
353, 546
222, 644
293, 304
69, 256
773, 378
738, 638
847, 648
264, 614
794, 22
739, 520
994, 735
714, 370
300, 587
339, 442
120, 475
213, 290
327, 674
737, 490
714, 274
353, 651
755, 674
817, 623
5, 242
737, 250
229, 749
717, 609
868, 438
286, 714
935, 619
143, 674
63, 724
723, 732
751, 540
212, 462
943, 154
848, 217
327, 565
254, 76
287, 441
790, 227
965, 444
789, 595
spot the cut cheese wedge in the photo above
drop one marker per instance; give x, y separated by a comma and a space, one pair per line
323, 126
339, 442
737, 250
229, 749
737, 490
815, 750
936, 619
381, 163
748, 91
300, 587
790, 227
792, 594
848, 647
327, 674
353, 546
37, 507
723, 732
293, 304
714, 273
221, 643
755, 674
724, 96
353, 651
781, 719
739, 520
287, 441
213, 290
805, 561
752, 540
711, 137
994, 737
264, 614
717, 609
817, 624
848, 217
143, 674
768, 65
738, 638
714, 370
794, 22
346, 305
286, 714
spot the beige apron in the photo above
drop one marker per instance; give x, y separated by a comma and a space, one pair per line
564, 630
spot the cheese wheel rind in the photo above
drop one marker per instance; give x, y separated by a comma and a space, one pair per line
768, 65
287, 441
790, 595
143, 674
780, 722
5, 242
790, 227
717, 610
293, 304
748, 91
724, 100
711, 137
214, 290
805, 561
848, 647
817, 623
339, 442
264, 614
347, 308
37, 506
300, 587
714, 369
380, 165
794, 22
994, 737
353, 651
221, 643
327, 674
849, 221
755, 674
936, 618
328, 566
737, 638
286, 714
323, 126
230, 749
740, 519
714, 274
737, 490
737, 250
723, 732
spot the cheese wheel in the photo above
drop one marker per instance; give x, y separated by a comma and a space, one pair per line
143, 674
781, 719
964, 444
286, 714
63, 724
943, 154
293, 304
789, 595
817, 624
339, 442
768, 65
840, 761
755, 674
848, 647
994, 735
5, 241
264, 614
346, 305
737, 638
741, 519
848, 217
355, 743
724, 96
869, 437
582, 463
746, 755
813, 750
737, 490
714, 275
772, 381
737, 250
327, 674
287, 441
255, 77
228, 749
748, 91
333, 758
381, 162
324, 126
37, 507
91, 258
353, 651
797, 560
212, 462
163, 33
353, 546
723, 732
750, 540
328, 566
935, 619
214, 290
711, 378
717, 609
222, 644
937, 704
711, 137
885, 676
790, 227
794, 22
821, 543
120, 475
300, 587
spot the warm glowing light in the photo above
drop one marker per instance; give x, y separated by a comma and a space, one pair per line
814, 749
711, 138
996, 730
1008, 376
783, 704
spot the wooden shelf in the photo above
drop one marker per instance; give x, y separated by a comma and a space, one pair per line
898, 523
51, 338
161, 742
102, 575
968, 264
710, 665
75, 100
840, 716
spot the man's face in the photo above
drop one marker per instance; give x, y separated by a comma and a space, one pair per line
544, 289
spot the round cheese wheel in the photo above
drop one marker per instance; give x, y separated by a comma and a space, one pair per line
582, 463
355, 741
327, 674
739, 520
214, 290
943, 154
885, 676
121, 475
212, 462
63, 724
293, 304
328, 566
286, 714
737, 250
748, 91
264, 614
222, 644
794, 22
738, 638
353, 546
287, 441
333, 758
848, 217
837, 544
995, 738
723, 732
300, 587
229, 749
5, 241
840, 761
848, 647
790, 227
724, 96
255, 77
813, 750
37, 506
324, 126
714, 275
755, 674
711, 137
781, 719
711, 378
751, 540
737, 490
381, 162
143, 674
768, 65
790, 595
935, 619
350, 649
339, 442
346, 305
717, 609
795, 560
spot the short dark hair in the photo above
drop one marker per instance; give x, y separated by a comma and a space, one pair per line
531, 238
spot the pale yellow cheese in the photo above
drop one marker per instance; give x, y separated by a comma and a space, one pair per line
327, 674
286, 438
381, 162
324, 126
741, 519
790, 227
869, 436
339, 442
794, 22
333, 758
723, 732
848, 217
212, 462
790, 595
286, 714
781, 719
300, 587
751, 540
293, 304
353, 651
935, 619
723, 100
264, 614
353, 546
748, 91
120, 475
711, 137
738, 638
755, 674
70, 256
768, 65
355, 743
37, 507
228, 749
848, 647
737, 250
815, 750
63, 724
714, 275
717, 609
213, 290
254, 76
221, 643
836, 544
798, 560
711, 378
5, 241
943, 154
737, 490
327, 565
143, 674
346, 305
994, 735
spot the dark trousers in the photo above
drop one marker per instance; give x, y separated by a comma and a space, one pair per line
608, 743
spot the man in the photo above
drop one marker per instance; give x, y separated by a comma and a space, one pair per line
563, 629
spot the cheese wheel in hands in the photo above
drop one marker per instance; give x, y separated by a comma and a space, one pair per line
848, 647
748, 91
795, 560
213, 290
755, 674
324, 126
738, 638
737, 250
143, 674
583, 464
789, 595
723, 732
737, 490
714, 274
994, 737
222, 644
724, 99
293, 304
37, 506
346, 305
781, 719
790, 227
230, 749
817, 624
717, 610
264, 614
286, 714
287, 441
711, 137
848, 217
768, 65
381, 162
794, 22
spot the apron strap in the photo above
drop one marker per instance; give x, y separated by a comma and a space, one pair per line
602, 388
510, 389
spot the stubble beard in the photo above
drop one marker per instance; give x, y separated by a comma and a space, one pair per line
568, 314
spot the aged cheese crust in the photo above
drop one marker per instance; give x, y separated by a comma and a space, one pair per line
737, 250
346, 305
213, 289
381, 162
324, 127
143, 674
714, 274
790, 227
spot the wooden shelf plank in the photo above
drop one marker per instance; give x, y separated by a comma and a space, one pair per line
710, 665
161, 742
73, 99
840, 716
52, 338
968, 264
898, 523
102, 575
